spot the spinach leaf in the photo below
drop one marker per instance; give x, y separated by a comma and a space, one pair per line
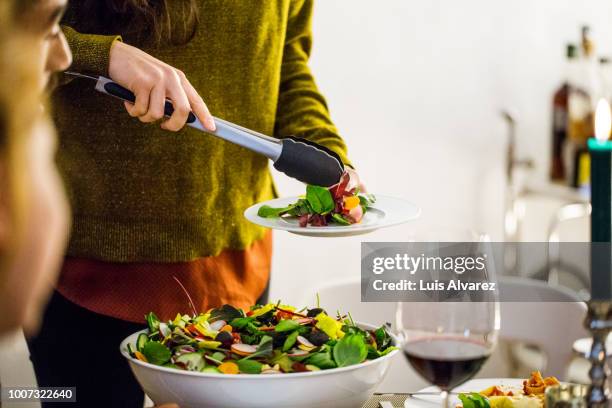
249, 366
301, 207
225, 312
290, 340
286, 325
270, 212
320, 199
252, 328
350, 328
388, 350
249, 338
366, 200
156, 353
322, 359
152, 322
241, 322
351, 349
474, 400
264, 349
383, 340
373, 354
340, 219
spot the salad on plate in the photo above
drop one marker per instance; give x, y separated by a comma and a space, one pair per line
268, 339
530, 395
340, 204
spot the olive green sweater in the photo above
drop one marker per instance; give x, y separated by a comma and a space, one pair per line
139, 193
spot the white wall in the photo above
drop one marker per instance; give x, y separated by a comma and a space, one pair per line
416, 88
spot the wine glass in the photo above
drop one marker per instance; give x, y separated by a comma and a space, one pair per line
447, 342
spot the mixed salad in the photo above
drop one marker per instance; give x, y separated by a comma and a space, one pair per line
268, 339
341, 204
497, 396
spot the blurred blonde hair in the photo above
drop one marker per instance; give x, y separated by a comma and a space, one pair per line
20, 112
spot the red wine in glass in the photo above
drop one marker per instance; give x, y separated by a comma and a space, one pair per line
447, 340
446, 361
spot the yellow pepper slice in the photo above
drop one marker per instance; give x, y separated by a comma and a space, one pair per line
209, 344
229, 367
262, 310
351, 202
329, 326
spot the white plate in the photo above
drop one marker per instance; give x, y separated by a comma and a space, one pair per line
476, 385
385, 212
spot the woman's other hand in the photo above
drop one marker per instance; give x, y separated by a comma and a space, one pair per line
153, 81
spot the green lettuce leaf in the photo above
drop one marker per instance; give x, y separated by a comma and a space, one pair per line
474, 400
351, 349
320, 199
286, 325
156, 353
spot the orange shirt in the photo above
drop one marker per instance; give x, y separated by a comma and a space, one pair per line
128, 291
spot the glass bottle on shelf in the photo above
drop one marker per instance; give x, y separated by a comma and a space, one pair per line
560, 116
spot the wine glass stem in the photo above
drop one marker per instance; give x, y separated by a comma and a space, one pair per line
445, 396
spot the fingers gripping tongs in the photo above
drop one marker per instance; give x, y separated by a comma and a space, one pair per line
298, 158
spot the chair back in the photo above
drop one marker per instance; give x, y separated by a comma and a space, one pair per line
553, 321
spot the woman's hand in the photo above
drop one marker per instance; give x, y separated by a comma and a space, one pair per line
167, 406
153, 81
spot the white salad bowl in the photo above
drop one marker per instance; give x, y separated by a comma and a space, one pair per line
346, 387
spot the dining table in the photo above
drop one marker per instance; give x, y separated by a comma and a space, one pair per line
428, 397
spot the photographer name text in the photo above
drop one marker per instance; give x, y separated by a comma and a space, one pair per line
432, 286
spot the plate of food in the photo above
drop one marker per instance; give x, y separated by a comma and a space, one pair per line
272, 355
495, 393
336, 211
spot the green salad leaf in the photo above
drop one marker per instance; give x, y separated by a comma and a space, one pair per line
225, 312
323, 359
152, 321
383, 340
286, 325
320, 199
350, 349
264, 349
270, 212
241, 322
474, 400
340, 219
249, 366
367, 200
156, 353
290, 340
301, 207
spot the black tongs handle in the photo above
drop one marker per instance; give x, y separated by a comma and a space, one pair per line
120, 92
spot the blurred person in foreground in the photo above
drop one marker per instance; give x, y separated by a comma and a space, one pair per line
33, 207
34, 215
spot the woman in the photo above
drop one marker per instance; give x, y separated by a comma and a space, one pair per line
33, 206
150, 205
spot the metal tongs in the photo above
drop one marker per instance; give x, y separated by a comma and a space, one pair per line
301, 159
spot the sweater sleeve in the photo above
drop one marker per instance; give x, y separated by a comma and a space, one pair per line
302, 110
91, 52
